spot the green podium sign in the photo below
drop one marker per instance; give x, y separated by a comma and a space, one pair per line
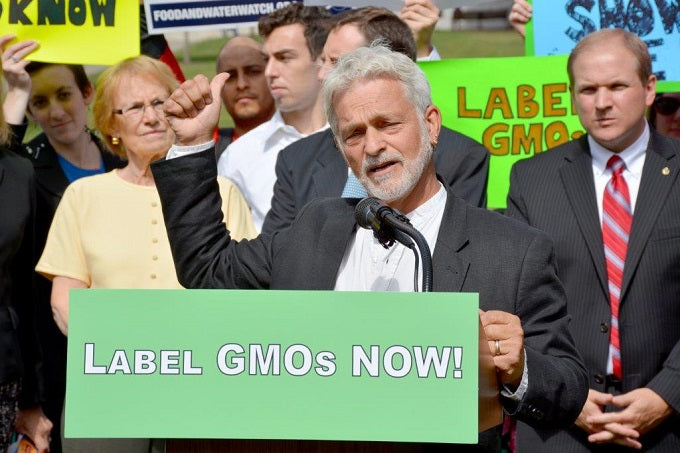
273, 365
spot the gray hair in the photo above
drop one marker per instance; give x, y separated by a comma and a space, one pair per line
370, 63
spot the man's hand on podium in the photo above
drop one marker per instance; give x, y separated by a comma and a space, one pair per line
505, 337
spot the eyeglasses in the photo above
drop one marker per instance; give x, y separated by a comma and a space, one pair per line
667, 105
136, 111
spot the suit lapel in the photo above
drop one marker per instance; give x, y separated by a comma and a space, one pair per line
328, 180
51, 177
338, 231
577, 179
449, 268
658, 176
49, 174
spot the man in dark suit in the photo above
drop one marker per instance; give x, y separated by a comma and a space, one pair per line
386, 125
617, 236
312, 167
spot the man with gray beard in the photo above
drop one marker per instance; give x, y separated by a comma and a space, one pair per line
378, 105
313, 167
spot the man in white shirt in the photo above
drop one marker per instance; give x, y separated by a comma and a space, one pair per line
379, 108
611, 203
293, 40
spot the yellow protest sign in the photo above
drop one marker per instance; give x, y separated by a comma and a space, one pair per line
100, 32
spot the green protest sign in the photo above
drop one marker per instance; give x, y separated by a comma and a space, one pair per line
273, 365
516, 107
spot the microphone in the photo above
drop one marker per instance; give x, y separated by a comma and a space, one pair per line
371, 214
366, 212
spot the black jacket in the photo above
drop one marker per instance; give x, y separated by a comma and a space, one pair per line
19, 351
51, 182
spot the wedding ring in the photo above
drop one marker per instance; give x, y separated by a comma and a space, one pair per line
498, 347
14, 59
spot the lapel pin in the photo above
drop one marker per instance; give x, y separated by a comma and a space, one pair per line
665, 171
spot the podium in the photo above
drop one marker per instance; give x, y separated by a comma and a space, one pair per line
490, 415
290, 371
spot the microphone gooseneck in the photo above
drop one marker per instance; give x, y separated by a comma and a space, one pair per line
388, 225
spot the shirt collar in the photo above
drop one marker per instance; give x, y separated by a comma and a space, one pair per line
431, 207
633, 156
276, 122
277, 130
276, 126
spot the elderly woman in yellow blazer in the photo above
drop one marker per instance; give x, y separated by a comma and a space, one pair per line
108, 231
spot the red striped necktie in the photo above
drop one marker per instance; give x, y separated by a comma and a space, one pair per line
617, 217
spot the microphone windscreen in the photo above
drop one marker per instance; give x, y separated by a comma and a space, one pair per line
363, 213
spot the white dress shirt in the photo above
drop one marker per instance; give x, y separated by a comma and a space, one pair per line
368, 266
250, 163
432, 56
